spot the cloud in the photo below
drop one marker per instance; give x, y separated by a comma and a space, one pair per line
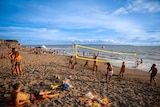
82, 22
93, 41
26, 32
121, 10
143, 6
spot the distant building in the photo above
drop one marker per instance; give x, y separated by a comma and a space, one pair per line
11, 42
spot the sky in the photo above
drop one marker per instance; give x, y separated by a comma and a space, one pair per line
114, 22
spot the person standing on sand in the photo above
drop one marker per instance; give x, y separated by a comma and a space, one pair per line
70, 61
122, 70
95, 63
86, 64
141, 61
17, 62
11, 56
109, 71
153, 73
73, 65
19, 98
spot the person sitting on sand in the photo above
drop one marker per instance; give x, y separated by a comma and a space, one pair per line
19, 98
109, 71
122, 69
17, 62
70, 61
11, 56
153, 73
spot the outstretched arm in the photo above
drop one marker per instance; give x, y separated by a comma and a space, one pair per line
9, 55
150, 69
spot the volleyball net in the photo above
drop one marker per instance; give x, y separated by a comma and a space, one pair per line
86, 53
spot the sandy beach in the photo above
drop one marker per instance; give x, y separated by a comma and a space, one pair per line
131, 91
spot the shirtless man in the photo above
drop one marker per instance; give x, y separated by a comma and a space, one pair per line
73, 65
153, 73
86, 64
19, 98
70, 61
11, 56
95, 63
122, 70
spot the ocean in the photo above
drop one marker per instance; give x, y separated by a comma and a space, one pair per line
149, 54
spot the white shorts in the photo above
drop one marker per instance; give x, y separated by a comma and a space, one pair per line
110, 73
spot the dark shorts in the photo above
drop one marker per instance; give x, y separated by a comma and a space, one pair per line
70, 62
35, 96
152, 75
17, 64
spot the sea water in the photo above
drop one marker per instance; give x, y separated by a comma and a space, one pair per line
149, 54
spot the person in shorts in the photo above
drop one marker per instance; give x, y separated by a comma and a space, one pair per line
20, 98
153, 73
122, 70
109, 71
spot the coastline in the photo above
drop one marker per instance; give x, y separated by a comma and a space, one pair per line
146, 53
132, 90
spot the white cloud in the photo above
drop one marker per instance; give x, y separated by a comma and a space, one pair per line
121, 10
145, 6
26, 32
139, 6
21, 29
86, 23
100, 30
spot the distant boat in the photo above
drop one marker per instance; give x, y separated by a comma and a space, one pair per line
44, 47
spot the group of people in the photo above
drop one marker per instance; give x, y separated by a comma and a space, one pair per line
110, 68
19, 98
95, 66
16, 60
110, 71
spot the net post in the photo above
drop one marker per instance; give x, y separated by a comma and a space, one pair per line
76, 50
135, 61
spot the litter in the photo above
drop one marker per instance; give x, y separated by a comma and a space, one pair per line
95, 101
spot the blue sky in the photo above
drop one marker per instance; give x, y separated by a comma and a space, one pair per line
119, 22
